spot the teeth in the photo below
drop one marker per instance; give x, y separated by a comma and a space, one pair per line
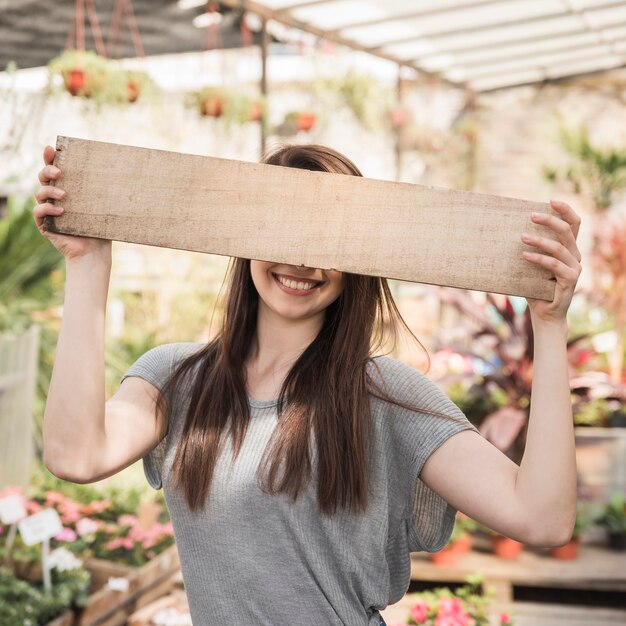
292, 284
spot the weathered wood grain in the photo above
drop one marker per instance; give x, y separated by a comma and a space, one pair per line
316, 219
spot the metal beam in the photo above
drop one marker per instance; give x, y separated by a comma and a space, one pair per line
514, 42
413, 14
551, 80
262, 11
503, 24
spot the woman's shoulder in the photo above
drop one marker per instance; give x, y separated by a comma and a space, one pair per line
158, 363
406, 383
395, 373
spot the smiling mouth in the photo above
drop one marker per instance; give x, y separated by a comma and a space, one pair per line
297, 284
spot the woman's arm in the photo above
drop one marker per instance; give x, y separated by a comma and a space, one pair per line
84, 438
535, 502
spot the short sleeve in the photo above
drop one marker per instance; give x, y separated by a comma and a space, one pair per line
413, 437
156, 365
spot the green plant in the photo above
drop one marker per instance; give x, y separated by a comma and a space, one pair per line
31, 282
614, 514
361, 93
30, 276
584, 521
596, 172
30, 605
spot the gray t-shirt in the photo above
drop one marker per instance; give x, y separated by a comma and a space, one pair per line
251, 559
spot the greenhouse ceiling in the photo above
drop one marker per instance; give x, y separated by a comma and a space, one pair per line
481, 44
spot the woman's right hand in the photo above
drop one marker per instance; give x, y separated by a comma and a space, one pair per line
70, 246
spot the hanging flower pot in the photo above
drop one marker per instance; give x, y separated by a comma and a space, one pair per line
211, 101
84, 73
135, 84
305, 121
506, 548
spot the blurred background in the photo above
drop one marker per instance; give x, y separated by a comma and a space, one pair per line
519, 98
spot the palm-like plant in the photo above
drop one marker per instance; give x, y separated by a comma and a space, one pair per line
593, 171
28, 263
31, 277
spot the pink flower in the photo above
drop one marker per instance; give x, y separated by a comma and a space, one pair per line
85, 526
114, 544
419, 611
451, 613
504, 618
127, 520
10, 491
32, 506
67, 534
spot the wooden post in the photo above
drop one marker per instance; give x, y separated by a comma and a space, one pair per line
19, 356
264, 50
299, 217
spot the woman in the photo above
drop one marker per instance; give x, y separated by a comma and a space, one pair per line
300, 471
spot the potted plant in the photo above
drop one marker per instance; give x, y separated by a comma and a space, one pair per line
506, 547
136, 83
84, 72
210, 101
613, 519
230, 105
297, 121
458, 544
570, 549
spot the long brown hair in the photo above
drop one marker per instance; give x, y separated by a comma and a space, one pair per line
355, 326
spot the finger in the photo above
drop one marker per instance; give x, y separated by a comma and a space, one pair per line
45, 192
48, 174
568, 214
41, 210
554, 248
562, 228
48, 155
560, 270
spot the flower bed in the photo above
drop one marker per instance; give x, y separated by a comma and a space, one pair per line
126, 545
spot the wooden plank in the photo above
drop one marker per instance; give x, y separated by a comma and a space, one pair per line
286, 215
595, 568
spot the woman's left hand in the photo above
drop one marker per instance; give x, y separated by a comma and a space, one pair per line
562, 258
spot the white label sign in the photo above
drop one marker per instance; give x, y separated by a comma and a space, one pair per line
12, 510
118, 584
40, 526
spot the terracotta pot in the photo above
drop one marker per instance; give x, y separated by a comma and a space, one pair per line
451, 553
75, 81
567, 552
463, 544
505, 547
445, 557
306, 121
